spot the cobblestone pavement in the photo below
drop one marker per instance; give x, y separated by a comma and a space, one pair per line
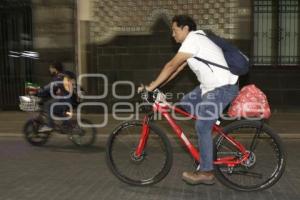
60, 171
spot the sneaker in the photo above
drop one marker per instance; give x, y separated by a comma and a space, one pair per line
45, 128
198, 177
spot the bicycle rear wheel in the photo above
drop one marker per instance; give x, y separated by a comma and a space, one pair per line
149, 168
266, 162
82, 134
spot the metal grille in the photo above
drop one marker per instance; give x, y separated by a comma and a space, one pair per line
276, 32
289, 32
15, 37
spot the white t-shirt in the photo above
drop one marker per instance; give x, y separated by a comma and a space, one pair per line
202, 47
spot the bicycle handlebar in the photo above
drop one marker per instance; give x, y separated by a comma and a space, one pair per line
153, 96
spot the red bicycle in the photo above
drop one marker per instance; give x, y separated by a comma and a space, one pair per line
249, 155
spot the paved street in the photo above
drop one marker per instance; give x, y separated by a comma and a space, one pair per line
59, 171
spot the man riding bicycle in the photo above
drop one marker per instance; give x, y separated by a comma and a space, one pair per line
56, 72
216, 90
62, 91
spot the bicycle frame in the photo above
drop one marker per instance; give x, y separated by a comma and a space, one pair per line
164, 109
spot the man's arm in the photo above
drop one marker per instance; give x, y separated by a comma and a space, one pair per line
180, 68
170, 68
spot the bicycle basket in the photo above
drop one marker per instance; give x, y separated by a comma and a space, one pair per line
29, 103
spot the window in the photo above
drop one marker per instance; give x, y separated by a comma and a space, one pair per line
276, 32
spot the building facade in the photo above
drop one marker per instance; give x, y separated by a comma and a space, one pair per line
130, 40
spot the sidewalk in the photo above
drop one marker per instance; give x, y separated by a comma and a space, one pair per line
286, 123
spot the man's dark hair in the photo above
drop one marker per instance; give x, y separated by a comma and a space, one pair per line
184, 20
58, 66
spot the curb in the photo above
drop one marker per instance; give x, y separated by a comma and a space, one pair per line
282, 136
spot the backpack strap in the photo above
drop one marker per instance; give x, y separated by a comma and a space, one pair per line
201, 34
207, 61
211, 63
204, 61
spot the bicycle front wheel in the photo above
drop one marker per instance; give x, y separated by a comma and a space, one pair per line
32, 134
266, 162
149, 168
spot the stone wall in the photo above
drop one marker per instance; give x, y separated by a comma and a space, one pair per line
113, 17
131, 40
138, 59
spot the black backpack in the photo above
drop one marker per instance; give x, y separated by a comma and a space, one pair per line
237, 62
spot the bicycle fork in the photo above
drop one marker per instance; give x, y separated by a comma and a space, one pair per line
143, 137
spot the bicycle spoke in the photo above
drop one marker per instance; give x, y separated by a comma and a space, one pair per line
81, 136
125, 143
247, 173
79, 140
254, 142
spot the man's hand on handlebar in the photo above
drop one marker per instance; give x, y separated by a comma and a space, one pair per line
143, 88
148, 88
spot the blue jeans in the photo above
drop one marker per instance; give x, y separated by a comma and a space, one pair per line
207, 108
